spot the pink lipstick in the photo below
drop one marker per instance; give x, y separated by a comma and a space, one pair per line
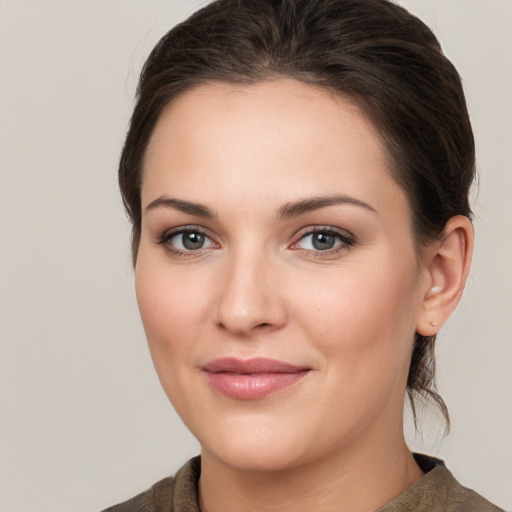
251, 379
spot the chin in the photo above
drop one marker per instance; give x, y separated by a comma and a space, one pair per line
258, 448
256, 458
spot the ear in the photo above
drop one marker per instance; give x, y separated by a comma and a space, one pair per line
447, 266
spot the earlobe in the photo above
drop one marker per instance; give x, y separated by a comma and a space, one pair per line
448, 266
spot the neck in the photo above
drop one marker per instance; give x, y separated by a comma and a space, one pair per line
356, 482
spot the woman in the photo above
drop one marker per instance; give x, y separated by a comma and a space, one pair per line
297, 176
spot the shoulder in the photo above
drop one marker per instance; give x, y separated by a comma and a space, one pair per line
473, 502
171, 494
438, 491
158, 497
464, 499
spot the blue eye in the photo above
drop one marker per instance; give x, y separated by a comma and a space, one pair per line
323, 240
190, 240
186, 240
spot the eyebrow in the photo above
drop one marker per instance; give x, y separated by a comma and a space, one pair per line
288, 210
296, 208
183, 206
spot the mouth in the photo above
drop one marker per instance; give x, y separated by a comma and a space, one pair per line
251, 379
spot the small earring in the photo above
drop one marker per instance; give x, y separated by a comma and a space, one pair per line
433, 324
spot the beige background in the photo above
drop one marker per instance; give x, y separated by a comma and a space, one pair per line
83, 422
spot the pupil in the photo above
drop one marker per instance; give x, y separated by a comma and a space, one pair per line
323, 241
193, 240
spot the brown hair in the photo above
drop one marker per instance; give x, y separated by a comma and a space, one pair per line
371, 51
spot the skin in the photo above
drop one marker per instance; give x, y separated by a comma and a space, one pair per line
258, 288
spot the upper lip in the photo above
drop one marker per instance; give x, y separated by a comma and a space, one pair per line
248, 366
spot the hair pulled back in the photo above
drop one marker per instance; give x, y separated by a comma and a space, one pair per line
372, 52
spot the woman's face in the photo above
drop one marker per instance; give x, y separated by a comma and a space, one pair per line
277, 277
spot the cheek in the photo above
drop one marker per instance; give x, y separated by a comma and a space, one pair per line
172, 309
173, 306
361, 317
363, 326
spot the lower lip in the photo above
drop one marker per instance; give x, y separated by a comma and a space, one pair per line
252, 386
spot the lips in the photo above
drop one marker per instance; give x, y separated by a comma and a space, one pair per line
251, 379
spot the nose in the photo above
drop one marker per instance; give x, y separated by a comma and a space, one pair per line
250, 298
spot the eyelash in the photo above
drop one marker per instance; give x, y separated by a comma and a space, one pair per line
166, 236
346, 241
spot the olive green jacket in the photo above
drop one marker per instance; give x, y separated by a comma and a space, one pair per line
436, 491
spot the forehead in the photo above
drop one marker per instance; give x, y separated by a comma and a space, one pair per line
264, 138
269, 106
